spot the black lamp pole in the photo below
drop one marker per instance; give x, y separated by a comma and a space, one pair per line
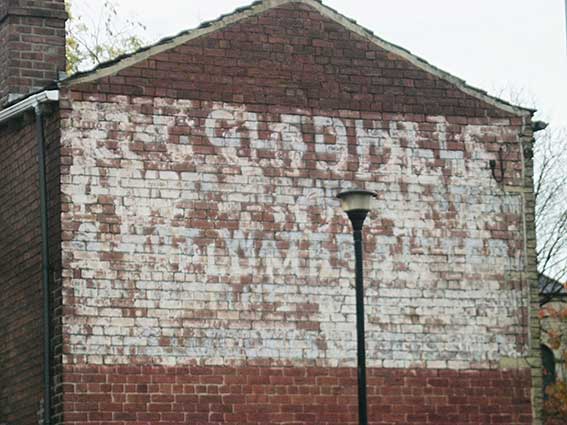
356, 203
357, 219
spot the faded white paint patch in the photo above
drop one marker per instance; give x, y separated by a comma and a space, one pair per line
214, 233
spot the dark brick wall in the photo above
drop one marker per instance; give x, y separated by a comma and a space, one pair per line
21, 335
32, 45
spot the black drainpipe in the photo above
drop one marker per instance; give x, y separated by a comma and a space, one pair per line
43, 200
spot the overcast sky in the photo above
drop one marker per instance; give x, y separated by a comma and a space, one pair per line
492, 44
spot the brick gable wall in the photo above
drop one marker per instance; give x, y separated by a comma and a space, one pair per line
292, 56
201, 230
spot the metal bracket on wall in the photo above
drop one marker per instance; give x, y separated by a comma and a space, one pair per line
498, 176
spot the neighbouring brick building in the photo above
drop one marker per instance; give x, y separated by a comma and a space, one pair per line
553, 299
199, 268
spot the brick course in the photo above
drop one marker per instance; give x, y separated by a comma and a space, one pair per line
264, 395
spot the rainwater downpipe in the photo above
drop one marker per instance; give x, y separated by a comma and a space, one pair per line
45, 266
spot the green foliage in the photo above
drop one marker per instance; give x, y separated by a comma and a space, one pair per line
100, 35
554, 319
556, 404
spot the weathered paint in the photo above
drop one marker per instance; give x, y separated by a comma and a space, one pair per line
208, 232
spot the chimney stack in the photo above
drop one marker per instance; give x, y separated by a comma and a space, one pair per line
32, 46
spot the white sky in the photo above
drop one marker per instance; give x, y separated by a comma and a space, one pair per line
492, 44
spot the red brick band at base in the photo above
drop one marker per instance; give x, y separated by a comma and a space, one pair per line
112, 395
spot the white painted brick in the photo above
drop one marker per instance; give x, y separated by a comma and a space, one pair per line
233, 259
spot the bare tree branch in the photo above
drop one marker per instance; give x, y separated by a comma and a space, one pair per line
101, 35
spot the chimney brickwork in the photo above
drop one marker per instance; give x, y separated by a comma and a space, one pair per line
32, 45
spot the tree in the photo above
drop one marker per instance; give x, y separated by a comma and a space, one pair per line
550, 180
551, 207
550, 188
99, 35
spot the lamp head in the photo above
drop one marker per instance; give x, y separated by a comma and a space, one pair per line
356, 200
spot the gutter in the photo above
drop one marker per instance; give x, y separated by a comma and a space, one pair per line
34, 103
28, 103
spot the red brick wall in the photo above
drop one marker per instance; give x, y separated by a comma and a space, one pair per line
298, 396
32, 45
21, 334
168, 191
292, 56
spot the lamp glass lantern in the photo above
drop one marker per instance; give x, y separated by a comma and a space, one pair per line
356, 200
356, 203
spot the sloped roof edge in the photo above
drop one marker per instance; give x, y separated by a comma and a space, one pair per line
111, 67
550, 286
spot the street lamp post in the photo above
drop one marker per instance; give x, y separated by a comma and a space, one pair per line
356, 204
